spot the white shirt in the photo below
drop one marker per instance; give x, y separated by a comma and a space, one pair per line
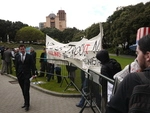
23, 56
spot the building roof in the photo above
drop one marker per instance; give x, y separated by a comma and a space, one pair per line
61, 11
52, 15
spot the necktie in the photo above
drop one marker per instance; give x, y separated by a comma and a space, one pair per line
22, 58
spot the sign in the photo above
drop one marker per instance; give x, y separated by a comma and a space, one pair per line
81, 53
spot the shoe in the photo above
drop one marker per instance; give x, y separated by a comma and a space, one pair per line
79, 105
26, 108
23, 106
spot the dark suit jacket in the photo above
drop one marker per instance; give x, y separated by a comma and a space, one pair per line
42, 57
24, 69
33, 53
7, 55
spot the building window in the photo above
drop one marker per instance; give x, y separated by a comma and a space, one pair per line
52, 18
52, 24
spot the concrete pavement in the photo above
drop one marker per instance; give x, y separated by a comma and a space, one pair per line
41, 101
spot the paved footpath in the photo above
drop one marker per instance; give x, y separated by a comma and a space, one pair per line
11, 100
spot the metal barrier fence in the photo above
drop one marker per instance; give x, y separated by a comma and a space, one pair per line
93, 86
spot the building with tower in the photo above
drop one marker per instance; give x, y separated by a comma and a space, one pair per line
55, 21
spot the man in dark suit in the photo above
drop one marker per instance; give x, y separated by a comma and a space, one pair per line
7, 58
25, 69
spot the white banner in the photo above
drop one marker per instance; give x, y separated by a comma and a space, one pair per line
81, 53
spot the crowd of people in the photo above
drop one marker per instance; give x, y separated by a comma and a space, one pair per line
48, 69
25, 66
127, 79
8, 59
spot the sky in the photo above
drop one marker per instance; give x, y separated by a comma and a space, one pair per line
80, 13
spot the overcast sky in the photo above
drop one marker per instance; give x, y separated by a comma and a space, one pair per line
80, 13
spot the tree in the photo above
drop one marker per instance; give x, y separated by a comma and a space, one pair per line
92, 31
78, 35
124, 23
69, 34
29, 34
14, 28
8, 28
53, 33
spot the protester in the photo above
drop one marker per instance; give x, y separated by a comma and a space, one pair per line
49, 71
117, 51
71, 72
106, 70
134, 66
109, 67
130, 68
95, 91
8, 60
3, 66
120, 101
58, 73
43, 63
13, 56
25, 69
82, 78
33, 53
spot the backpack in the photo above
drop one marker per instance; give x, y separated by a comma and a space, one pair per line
114, 67
140, 98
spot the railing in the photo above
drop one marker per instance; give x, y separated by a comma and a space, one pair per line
93, 81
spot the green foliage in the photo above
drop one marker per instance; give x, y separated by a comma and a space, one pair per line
92, 31
68, 34
53, 33
29, 34
78, 36
121, 27
53, 85
123, 60
9, 28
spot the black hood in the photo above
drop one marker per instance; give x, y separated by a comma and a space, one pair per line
103, 56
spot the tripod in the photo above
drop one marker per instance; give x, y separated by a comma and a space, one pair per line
71, 83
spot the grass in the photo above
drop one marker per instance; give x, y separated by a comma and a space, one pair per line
123, 60
54, 86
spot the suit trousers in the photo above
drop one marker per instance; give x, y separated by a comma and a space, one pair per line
25, 87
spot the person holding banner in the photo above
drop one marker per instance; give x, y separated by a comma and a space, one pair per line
103, 57
50, 71
43, 63
58, 73
109, 67
71, 72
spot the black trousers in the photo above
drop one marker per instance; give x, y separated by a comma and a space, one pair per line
50, 71
25, 87
58, 73
43, 69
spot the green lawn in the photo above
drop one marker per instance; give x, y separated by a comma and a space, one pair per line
54, 86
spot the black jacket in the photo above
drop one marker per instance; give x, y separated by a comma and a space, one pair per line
119, 103
24, 69
42, 57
